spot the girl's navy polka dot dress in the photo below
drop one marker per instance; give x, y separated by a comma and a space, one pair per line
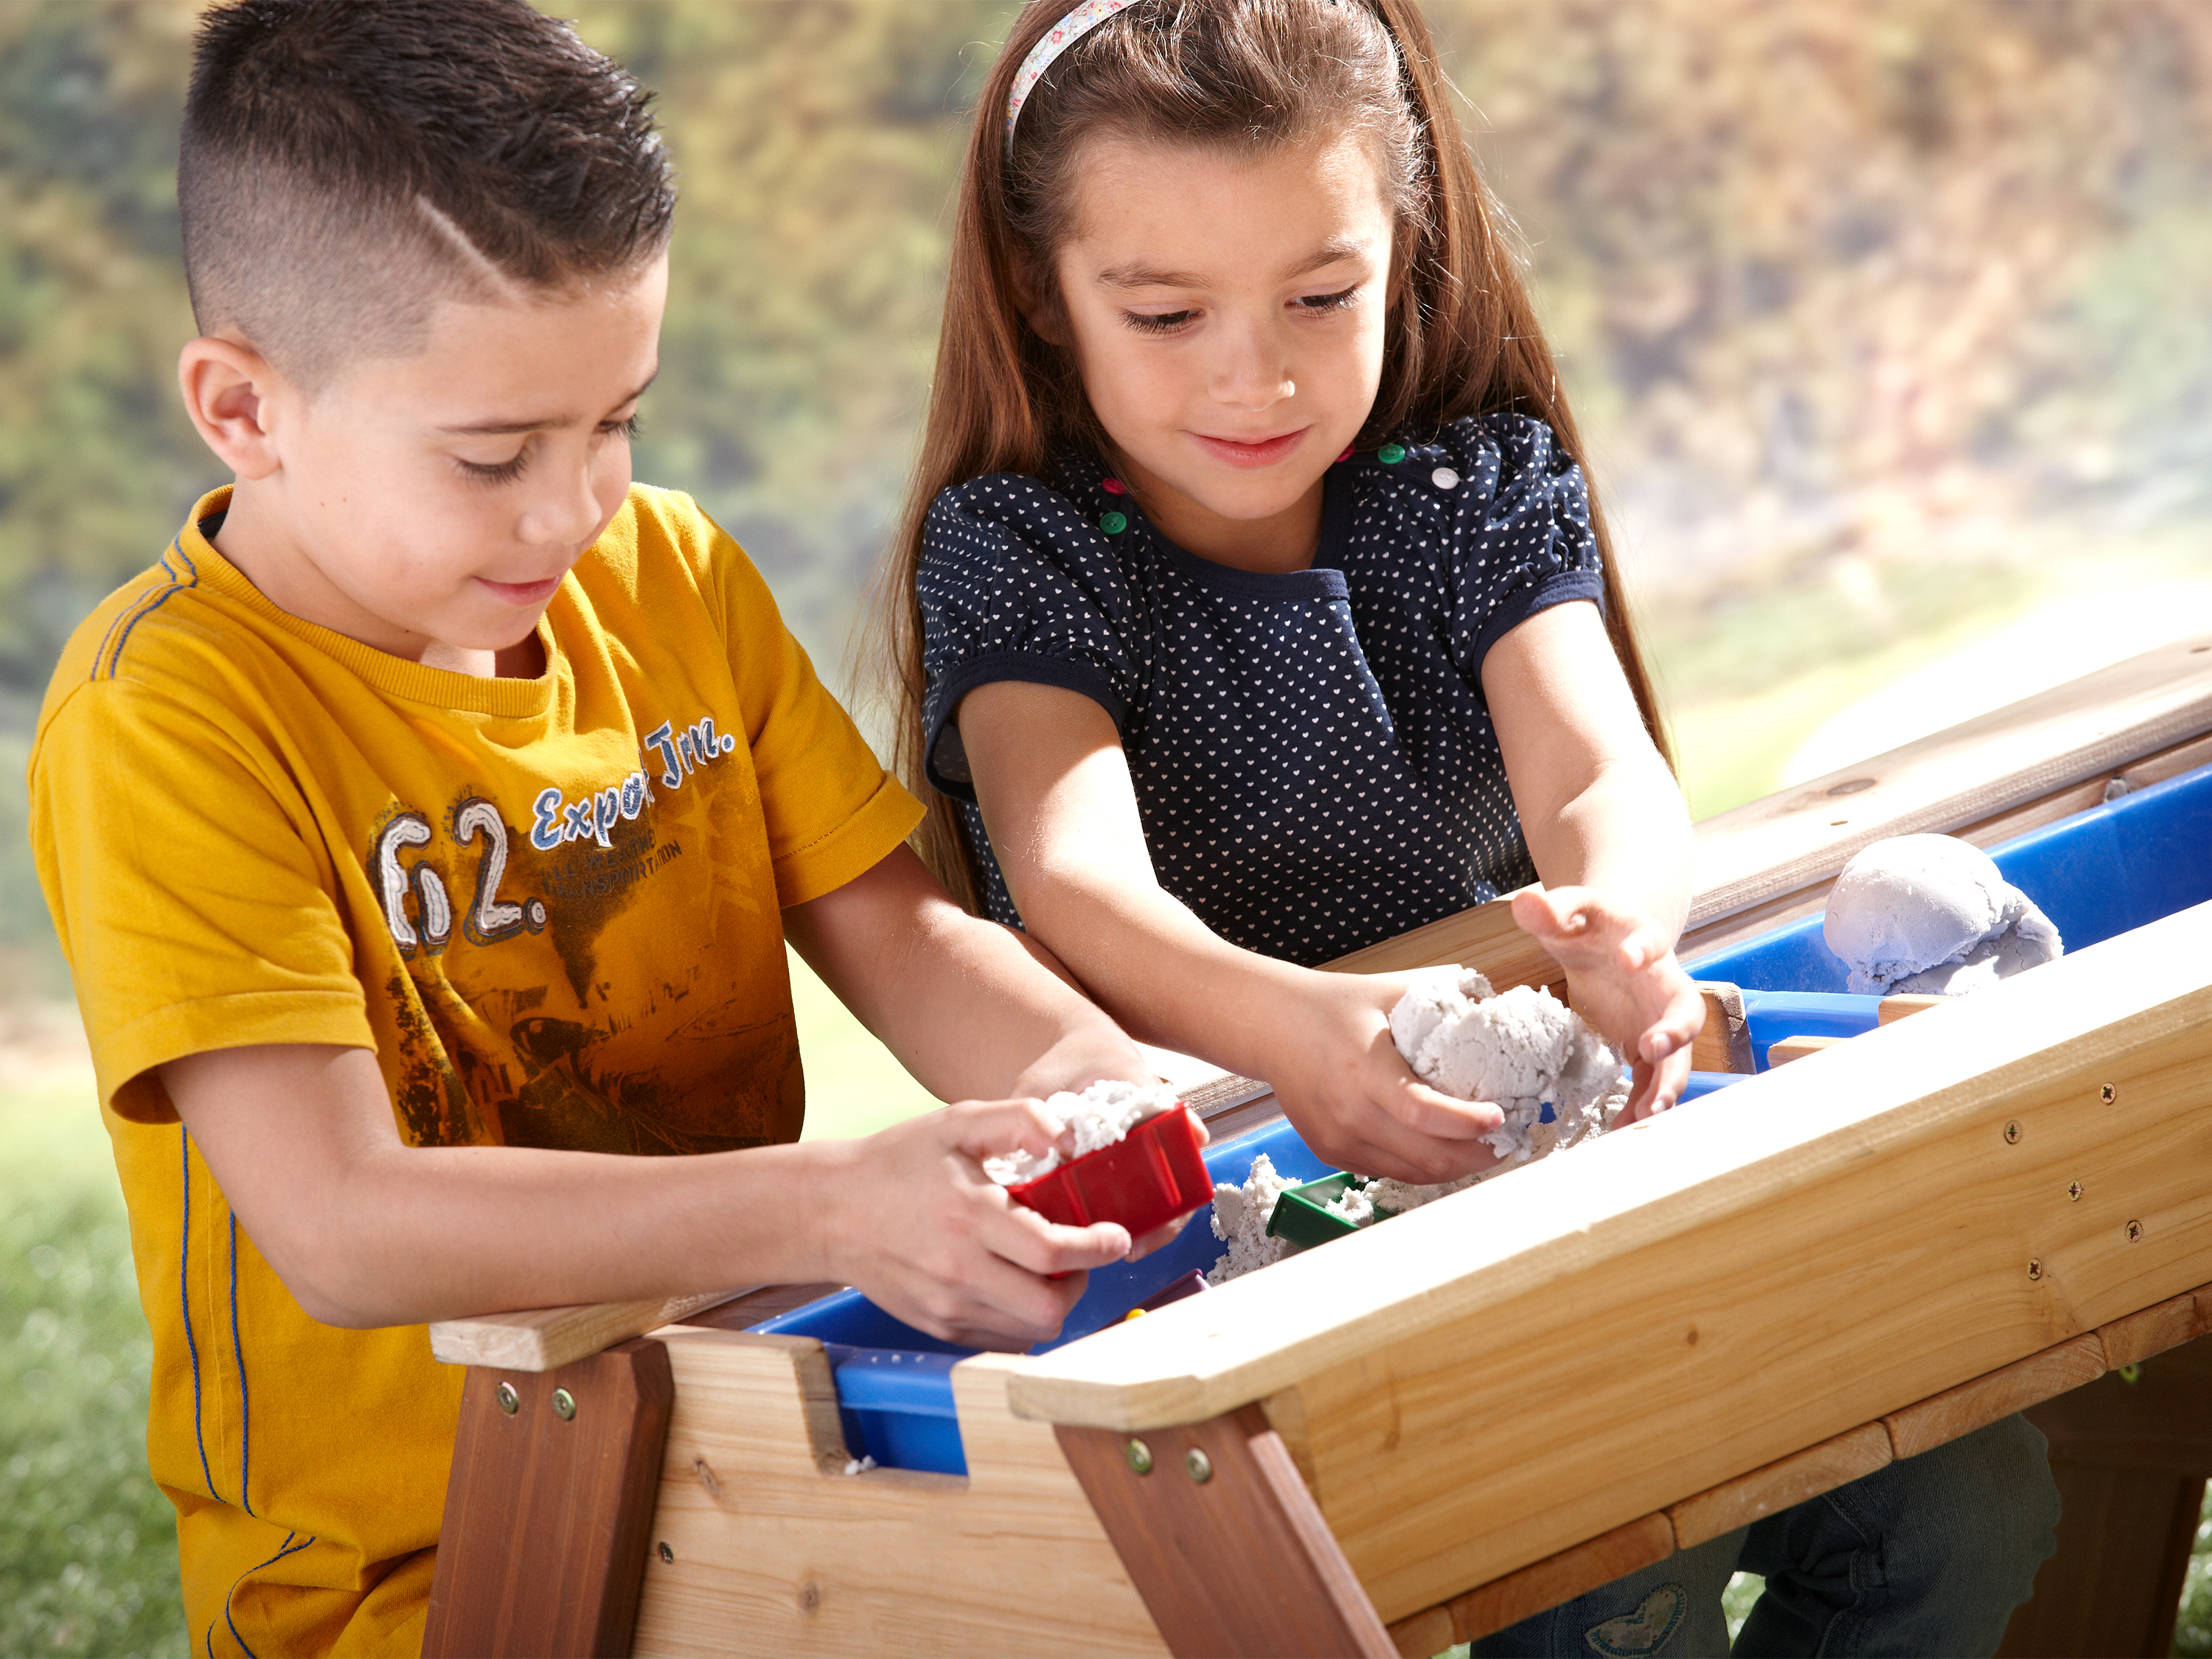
1313, 759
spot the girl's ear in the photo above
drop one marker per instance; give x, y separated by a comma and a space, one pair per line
1039, 308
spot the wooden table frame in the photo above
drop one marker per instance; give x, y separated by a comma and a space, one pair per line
1371, 1483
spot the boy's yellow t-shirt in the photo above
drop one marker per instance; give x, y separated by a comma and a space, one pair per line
551, 907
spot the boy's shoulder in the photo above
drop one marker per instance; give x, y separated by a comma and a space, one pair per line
192, 629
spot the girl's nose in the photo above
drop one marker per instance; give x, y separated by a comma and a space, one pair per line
1254, 370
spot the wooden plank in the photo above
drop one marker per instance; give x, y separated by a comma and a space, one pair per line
1724, 1044
1485, 937
742, 1313
1561, 1577
773, 1548
2167, 1324
1223, 1540
544, 1539
1786, 1482
1800, 1048
1942, 1419
542, 1339
1425, 1635
2089, 728
1405, 1350
1903, 1006
2112, 1588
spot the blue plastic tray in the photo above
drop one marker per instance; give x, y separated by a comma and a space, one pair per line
2098, 873
894, 1383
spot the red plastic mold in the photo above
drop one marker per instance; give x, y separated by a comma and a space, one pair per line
1145, 1180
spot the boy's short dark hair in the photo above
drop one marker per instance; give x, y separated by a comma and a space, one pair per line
347, 164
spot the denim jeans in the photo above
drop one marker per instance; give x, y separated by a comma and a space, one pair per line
1928, 1556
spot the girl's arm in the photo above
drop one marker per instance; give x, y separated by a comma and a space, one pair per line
1055, 790
1610, 837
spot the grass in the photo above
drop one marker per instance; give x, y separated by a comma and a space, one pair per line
87, 1544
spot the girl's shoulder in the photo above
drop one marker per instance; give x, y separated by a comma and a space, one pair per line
1486, 451
1071, 520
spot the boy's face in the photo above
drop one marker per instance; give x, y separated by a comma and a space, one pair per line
429, 506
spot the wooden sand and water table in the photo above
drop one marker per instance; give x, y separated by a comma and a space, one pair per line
1433, 1428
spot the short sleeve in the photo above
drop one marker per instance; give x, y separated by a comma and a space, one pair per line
1524, 541
831, 811
1015, 584
189, 889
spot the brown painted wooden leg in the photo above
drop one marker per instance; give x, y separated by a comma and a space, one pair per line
2131, 1459
1223, 1541
542, 1547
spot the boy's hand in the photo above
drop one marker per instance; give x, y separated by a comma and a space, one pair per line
1350, 1095
1622, 977
917, 1226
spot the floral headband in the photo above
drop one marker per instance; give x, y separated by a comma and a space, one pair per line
1057, 40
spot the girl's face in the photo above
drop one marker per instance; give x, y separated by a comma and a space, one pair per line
1227, 316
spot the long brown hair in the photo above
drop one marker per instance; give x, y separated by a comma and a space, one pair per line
1462, 337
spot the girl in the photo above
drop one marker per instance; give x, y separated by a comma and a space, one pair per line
1251, 607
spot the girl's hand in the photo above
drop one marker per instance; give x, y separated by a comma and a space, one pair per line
1352, 1098
917, 1226
1623, 978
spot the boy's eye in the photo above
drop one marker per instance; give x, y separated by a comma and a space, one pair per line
497, 472
1157, 322
628, 428
1336, 301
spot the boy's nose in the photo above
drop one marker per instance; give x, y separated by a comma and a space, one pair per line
567, 513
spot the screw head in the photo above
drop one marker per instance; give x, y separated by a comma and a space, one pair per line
509, 1402
564, 1405
2035, 1267
2012, 1134
1139, 1456
2134, 1232
2073, 1190
666, 1554
1198, 1466
2109, 1093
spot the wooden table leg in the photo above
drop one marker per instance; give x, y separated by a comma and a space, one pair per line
542, 1547
2130, 1456
1223, 1541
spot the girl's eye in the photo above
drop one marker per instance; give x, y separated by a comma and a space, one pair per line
1337, 301
497, 472
1157, 323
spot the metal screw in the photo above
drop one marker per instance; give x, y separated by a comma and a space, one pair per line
564, 1405
1198, 1464
2035, 1267
2073, 1190
2134, 1232
1139, 1456
666, 1554
509, 1402
2109, 1093
2012, 1134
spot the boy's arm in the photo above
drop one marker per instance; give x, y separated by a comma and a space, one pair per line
972, 1009
1610, 835
1055, 790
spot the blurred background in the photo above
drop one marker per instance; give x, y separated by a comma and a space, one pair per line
1888, 323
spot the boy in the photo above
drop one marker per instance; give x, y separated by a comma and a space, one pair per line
419, 829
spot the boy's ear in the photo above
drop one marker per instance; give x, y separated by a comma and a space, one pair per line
227, 388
